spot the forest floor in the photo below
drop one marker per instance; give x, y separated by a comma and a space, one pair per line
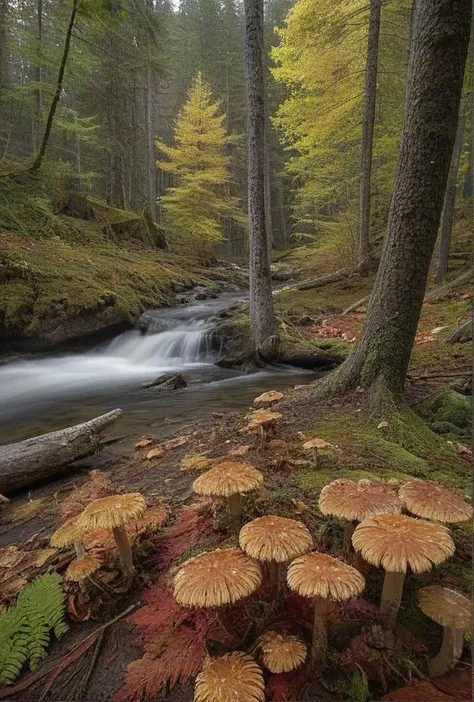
361, 449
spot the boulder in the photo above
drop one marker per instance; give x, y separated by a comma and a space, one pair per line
168, 381
448, 407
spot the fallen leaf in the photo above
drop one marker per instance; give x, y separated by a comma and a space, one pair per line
437, 330
239, 450
18, 512
460, 448
158, 452
11, 587
175, 443
383, 425
299, 506
9, 556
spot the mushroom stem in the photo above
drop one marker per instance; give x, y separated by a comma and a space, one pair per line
222, 621
125, 551
449, 653
274, 572
320, 638
315, 457
391, 597
235, 505
348, 531
79, 549
263, 436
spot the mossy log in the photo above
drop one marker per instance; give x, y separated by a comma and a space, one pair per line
462, 333
27, 462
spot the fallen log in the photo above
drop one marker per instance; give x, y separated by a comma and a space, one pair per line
27, 462
438, 293
318, 282
462, 333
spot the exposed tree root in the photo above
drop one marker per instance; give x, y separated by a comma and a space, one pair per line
462, 333
438, 293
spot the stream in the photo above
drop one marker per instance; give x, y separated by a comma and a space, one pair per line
46, 392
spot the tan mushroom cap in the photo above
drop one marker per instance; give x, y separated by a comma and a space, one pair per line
431, 501
395, 541
113, 511
228, 478
273, 538
67, 534
446, 607
234, 677
357, 501
320, 575
151, 520
217, 578
81, 568
262, 418
197, 462
281, 652
268, 398
315, 443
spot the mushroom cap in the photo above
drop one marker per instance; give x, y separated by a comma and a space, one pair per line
196, 462
315, 443
446, 607
431, 501
395, 541
217, 578
273, 538
68, 533
113, 511
320, 575
261, 417
357, 501
281, 652
228, 478
268, 398
80, 568
151, 520
234, 677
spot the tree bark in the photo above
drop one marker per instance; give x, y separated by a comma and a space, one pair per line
39, 76
262, 315
462, 334
27, 462
368, 123
447, 216
3, 50
441, 37
59, 87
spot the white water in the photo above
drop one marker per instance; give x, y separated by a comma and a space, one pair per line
129, 360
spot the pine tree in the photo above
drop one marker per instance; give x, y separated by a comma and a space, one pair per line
196, 208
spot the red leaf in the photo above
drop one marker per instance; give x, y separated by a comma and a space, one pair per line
161, 611
189, 531
285, 687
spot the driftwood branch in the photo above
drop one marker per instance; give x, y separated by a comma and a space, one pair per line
356, 305
24, 463
319, 282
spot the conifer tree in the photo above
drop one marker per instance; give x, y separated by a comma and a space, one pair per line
195, 210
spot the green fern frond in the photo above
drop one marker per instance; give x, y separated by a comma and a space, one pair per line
25, 628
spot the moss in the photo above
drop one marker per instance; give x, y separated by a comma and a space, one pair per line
312, 481
448, 407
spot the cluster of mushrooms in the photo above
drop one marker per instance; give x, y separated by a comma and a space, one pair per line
112, 520
374, 526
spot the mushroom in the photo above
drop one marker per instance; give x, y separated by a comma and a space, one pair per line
431, 501
354, 502
263, 421
197, 462
229, 479
395, 541
281, 652
275, 540
217, 578
68, 534
267, 399
114, 513
232, 677
323, 577
151, 520
313, 445
82, 568
453, 611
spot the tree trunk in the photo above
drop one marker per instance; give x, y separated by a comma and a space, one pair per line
268, 187
368, 122
447, 216
151, 160
59, 87
441, 37
27, 462
262, 315
3, 50
39, 77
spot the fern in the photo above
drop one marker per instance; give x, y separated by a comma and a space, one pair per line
25, 628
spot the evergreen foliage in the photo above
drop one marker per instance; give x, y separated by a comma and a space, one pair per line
25, 628
196, 208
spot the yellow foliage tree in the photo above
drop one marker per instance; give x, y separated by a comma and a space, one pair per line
196, 209
321, 61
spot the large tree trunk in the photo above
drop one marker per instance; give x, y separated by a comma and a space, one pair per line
447, 217
27, 462
368, 122
3, 50
59, 87
38, 126
441, 37
262, 315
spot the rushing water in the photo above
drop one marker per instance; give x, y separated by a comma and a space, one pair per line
51, 391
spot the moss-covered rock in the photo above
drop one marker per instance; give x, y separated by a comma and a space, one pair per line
447, 408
